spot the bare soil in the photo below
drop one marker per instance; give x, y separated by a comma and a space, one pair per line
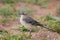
43, 33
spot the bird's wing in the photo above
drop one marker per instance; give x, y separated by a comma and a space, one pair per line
32, 21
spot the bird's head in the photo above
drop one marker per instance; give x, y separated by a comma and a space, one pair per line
23, 13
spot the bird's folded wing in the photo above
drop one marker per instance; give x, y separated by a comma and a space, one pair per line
32, 21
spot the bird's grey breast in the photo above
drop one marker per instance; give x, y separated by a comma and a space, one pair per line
23, 22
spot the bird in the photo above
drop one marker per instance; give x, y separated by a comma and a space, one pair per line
29, 22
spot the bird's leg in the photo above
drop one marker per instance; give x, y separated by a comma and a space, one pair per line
30, 31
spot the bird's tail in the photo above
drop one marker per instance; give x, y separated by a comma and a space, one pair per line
47, 28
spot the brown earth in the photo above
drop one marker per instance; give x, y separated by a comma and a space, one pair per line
43, 33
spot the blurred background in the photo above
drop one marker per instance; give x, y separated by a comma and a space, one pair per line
45, 11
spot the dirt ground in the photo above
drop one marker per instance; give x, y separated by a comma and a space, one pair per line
43, 33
